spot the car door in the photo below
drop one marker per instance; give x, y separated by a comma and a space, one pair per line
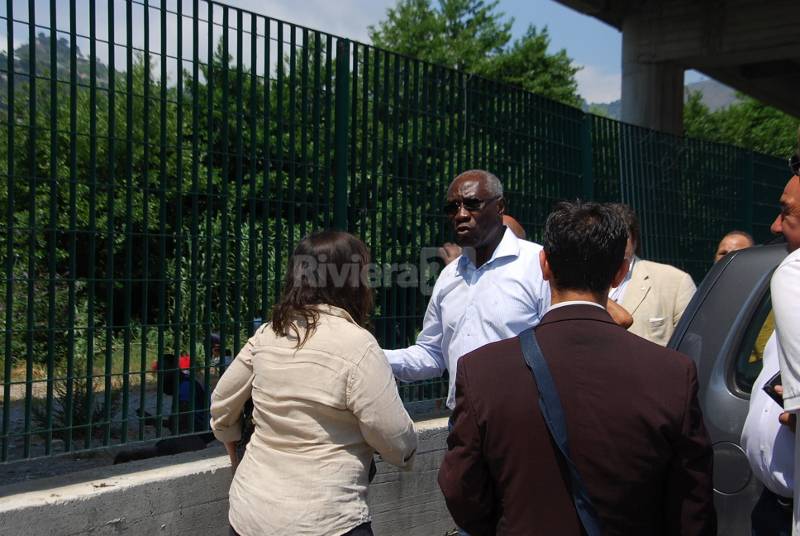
721, 330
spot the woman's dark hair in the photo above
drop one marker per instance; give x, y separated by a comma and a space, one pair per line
585, 246
628, 215
325, 268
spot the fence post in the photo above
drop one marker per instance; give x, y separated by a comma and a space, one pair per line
747, 190
341, 127
587, 157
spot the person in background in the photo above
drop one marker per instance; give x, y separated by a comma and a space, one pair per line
733, 241
654, 294
189, 425
324, 400
636, 431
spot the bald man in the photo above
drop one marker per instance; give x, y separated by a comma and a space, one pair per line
733, 241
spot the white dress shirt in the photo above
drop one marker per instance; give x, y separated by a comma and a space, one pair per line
617, 293
769, 445
572, 302
471, 307
785, 290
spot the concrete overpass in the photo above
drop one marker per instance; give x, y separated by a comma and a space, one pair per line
750, 45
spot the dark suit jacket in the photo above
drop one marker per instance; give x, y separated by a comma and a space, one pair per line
635, 429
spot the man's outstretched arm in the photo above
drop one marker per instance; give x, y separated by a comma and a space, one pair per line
423, 360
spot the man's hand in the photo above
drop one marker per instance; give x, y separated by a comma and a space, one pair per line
449, 252
786, 418
620, 315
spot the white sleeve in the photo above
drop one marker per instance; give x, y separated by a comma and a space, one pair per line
425, 359
785, 288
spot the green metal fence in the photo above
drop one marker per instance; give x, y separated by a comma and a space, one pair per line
161, 160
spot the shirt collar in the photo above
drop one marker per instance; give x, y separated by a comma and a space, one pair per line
573, 302
508, 247
332, 310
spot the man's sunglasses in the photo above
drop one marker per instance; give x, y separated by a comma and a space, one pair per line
794, 164
470, 205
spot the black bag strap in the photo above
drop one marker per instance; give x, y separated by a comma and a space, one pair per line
553, 414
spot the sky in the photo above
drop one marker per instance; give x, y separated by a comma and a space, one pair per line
593, 45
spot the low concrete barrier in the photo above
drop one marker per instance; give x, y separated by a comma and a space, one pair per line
187, 494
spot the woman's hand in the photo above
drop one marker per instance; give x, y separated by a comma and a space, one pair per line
230, 446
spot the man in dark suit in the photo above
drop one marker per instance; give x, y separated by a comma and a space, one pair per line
636, 433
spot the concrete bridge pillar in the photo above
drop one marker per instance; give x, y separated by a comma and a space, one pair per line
652, 91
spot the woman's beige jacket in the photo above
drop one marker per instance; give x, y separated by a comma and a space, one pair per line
321, 411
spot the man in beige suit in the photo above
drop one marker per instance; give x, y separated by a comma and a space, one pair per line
654, 294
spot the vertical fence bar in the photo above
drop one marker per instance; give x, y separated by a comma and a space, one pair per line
195, 223
587, 159
280, 161
747, 190
251, 197
406, 238
225, 148
177, 231
352, 211
365, 204
265, 237
32, 189
92, 231
110, 238
317, 117
376, 103
237, 230
342, 117
128, 283
383, 237
393, 183
303, 180
291, 207
53, 234
145, 312
9, 333
208, 234
73, 217
328, 151
162, 230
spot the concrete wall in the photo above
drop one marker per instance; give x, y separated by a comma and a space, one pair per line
188, 494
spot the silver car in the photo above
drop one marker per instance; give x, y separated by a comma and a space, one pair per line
721, 330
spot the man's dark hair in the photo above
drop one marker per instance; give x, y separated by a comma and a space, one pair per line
628, 216
585, 245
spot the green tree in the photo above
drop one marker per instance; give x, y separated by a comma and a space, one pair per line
747, 123
471, 35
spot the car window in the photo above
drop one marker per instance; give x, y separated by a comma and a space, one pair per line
749, 358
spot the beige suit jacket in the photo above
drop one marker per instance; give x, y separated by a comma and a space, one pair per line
656, 297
